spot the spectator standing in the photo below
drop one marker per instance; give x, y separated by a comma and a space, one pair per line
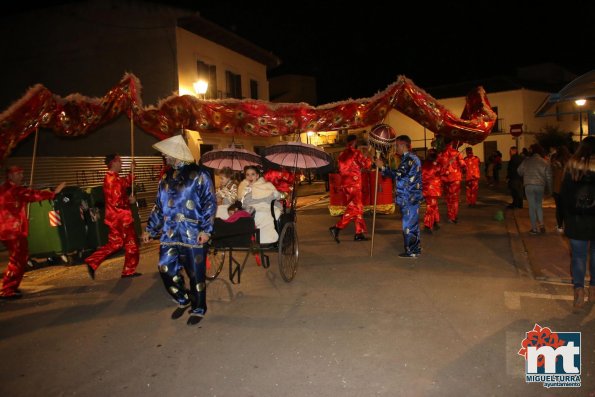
515, 181
558, 161
577, 199
537, 179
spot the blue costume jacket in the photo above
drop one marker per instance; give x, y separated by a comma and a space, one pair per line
407, 180
185, 206
408, 196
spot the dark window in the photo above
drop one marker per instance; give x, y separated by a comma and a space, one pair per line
208, 73
233, 85
498, 124
253, 89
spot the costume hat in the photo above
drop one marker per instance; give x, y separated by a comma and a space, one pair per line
175, 147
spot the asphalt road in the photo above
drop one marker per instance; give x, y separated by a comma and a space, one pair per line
449, 323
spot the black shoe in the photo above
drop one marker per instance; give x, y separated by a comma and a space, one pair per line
135, 274
335, 233
91, 271
408, 256
13, 296
455, 221
194, 319
436, 226
359, 237
427, 230
179, 312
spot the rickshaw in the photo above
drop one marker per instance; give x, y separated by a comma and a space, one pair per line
243, 236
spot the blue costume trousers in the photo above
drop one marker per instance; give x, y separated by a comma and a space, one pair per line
172, 259
411, 238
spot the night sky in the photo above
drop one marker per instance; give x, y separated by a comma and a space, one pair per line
355, 52
358, 51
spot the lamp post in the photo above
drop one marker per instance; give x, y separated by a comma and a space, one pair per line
580, 103
201, 87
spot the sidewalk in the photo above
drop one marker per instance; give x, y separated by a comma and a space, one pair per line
549, 253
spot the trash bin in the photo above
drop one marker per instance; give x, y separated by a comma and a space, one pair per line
98, 232
58, 228
71, 204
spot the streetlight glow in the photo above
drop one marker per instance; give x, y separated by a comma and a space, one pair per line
201, 87
580, 102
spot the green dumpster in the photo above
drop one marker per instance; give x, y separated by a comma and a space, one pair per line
97, 230
71, 203
44, 236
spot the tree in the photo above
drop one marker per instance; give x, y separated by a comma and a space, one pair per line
551, 136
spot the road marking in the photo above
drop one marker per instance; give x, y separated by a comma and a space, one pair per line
512, 300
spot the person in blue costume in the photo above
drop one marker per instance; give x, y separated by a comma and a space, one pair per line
408, 194
183, 214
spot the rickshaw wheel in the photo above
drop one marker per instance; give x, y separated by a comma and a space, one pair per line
288, 251
214, 265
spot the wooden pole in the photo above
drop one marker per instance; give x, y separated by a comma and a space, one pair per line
374, 213
33, 164
132, 149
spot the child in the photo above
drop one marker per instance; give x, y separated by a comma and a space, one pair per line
227, 192
235, 212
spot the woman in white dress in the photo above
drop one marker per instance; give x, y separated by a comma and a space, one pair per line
227, 192
256, 195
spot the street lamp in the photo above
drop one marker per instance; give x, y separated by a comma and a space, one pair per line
201, 87
580, 103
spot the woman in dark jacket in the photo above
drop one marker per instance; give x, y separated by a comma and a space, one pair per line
577, 196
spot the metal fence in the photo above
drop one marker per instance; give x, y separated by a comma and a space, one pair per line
89, 171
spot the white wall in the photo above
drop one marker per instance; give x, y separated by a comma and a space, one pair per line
192, 48
514, 107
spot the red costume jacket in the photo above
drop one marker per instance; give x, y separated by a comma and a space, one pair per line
430, 177
117, 206
451, 163
472, 163
13, 216
281, 179
351, 162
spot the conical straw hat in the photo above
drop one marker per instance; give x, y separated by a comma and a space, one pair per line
175, 147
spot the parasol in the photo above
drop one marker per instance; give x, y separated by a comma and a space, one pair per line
232, 157
297, 155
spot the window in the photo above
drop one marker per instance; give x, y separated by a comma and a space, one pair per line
498, 124
208, 73
233, 85
253, 89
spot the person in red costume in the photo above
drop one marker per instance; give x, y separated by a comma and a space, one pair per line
283, 181
119, 220
451, 167
351, 163
14, 227
471, 177
432, 189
